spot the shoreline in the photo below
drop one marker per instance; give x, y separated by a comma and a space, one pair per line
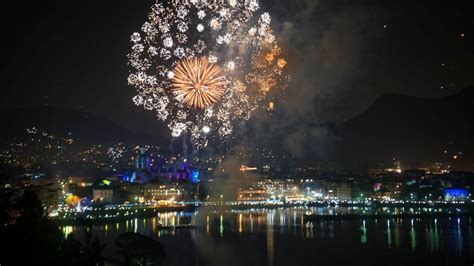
112, 215
341, 217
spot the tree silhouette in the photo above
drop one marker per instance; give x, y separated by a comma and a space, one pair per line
137, 249
33, 239
73, 252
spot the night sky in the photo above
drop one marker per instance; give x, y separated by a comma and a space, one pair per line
343, 54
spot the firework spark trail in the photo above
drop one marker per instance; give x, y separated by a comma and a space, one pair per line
197, 83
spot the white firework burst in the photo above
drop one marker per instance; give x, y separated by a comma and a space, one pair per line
232, 34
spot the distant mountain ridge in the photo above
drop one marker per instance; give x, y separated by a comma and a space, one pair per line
407, 128
85, 127
412, 128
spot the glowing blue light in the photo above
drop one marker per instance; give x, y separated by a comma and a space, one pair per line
455, 193
194, 176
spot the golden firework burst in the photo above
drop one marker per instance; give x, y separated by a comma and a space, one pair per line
197, 83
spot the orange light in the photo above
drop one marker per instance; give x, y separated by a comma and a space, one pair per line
197, 83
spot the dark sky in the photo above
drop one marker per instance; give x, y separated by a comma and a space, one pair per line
343, 54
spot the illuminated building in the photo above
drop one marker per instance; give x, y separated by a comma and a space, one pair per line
103, 195
387, 190
142, 168
143, 161
452, 194
277, 189
155, 191
146, 170
291, 189
344, 192
126, 175
338, 190
252, 194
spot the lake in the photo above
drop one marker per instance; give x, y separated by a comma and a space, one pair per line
283, 237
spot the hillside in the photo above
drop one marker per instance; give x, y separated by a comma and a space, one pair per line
82, 126
412, 129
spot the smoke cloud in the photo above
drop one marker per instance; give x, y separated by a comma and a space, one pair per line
324, 42
324, 54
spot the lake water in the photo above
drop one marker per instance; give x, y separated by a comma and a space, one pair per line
282, 237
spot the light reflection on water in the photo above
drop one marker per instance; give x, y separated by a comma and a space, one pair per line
430, 235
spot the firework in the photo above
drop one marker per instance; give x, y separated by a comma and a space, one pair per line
203, 65
197, 83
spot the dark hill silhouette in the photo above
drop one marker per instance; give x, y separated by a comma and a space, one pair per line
82, 126
411, 128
